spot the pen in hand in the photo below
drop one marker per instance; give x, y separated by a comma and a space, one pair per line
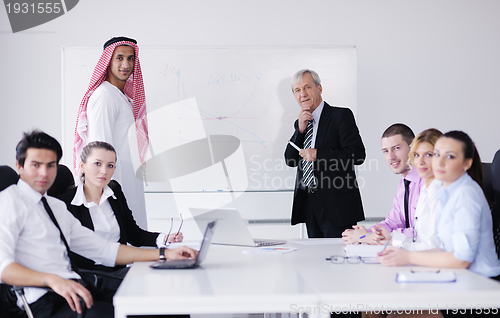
383, 250
294, 145
368, 234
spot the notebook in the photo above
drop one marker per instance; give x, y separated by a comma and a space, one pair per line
190, 263
231, 229
424, 276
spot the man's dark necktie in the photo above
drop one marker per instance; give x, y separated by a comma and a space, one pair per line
71, 261
53, 218
307, 166
407, 199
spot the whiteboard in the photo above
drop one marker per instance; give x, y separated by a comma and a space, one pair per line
240, 96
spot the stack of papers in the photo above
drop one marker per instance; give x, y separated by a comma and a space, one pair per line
426, 277
319, 241
270, 250
363, 250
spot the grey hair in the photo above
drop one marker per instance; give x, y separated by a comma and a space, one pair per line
297, 77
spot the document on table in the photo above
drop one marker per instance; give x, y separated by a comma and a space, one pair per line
426, 277
270, 250
363, 250
319, 241
192, 244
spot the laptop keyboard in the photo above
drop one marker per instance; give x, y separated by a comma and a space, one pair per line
264, 243
174, 264
268, 242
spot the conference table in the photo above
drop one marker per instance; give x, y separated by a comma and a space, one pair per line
233, 281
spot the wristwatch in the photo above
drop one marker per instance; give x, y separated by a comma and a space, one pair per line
162, 254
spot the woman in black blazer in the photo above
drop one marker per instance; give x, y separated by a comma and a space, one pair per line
100, 205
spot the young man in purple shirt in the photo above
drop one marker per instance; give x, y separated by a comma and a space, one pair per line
396, 142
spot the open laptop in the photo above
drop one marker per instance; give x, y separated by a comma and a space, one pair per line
231, 229
190, 263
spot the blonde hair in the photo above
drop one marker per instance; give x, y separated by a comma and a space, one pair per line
430, 135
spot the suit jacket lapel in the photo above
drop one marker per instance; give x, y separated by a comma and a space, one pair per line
116, 207
324, 122
86, 220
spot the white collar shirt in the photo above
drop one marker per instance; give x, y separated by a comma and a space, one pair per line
102, 215
316, 116
424, 236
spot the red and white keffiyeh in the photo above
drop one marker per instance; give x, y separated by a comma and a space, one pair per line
134, 89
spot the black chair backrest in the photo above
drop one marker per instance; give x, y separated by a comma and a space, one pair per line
8, 177
487, 182
495, 171
64, 181
495, 207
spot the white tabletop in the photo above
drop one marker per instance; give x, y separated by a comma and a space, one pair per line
361, 286
230, 281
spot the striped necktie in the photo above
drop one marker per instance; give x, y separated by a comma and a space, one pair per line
307, 166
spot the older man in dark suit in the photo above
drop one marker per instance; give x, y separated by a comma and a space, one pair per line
326, 195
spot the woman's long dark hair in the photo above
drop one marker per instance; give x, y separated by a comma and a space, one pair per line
470, 152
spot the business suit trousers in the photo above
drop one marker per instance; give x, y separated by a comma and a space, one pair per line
52, 305
318, 226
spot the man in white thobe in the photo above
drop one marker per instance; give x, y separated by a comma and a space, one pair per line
114, 103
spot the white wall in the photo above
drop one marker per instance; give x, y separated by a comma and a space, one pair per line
427, 63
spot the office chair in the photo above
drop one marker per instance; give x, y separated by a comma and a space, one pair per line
495, 172
489, 192
7, 177
63, 182
495, 207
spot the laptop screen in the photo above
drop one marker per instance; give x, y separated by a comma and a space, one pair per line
205, 244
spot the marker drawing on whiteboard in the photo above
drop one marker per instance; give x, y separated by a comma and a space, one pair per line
294, 145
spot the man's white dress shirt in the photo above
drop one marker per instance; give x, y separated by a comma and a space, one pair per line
29, 237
